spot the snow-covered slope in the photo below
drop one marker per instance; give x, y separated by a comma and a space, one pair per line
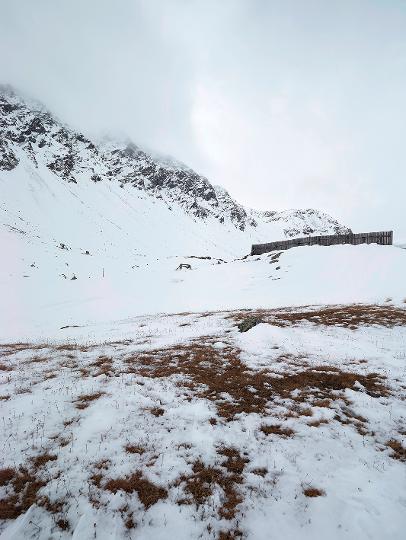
37, 304
132, 406
95, 232
189, 429
59, 187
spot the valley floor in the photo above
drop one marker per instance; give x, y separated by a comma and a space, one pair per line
188, 428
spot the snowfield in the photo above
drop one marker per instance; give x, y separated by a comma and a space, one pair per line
159, 383
193, 429
39, 296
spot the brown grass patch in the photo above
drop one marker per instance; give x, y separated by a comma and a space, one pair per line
20, 391
200, 485
260, 471
325, 403
70, 347
348, 316
83, 401
54, 507
220, 376
235, 463
277, 429
97, 476
156, 411
148, 493
96, 479
43, 459
6, 475
36, 360
102, 464
313, 492
134, 449
24, 486
104, 365
4, 367
13, 348
63, 524
69, 422
234, 534
129, 523
398, 450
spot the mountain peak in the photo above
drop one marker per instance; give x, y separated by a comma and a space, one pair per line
28, 131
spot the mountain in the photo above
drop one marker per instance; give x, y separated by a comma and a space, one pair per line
60, 186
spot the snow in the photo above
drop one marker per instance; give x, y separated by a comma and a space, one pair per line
38, 301
135, 244
92, 366
363, 485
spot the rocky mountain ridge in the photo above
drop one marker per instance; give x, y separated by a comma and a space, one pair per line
28, 127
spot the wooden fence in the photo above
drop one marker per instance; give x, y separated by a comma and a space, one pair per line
383, 237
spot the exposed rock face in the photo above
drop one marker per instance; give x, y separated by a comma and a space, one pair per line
306, 222
7, 158
28, 126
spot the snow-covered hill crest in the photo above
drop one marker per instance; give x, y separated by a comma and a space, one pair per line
32, 139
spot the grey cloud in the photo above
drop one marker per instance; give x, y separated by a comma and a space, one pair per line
286, 104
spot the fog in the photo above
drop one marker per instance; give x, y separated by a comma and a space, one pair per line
285, 103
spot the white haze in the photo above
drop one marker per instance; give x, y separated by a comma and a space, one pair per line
286, 104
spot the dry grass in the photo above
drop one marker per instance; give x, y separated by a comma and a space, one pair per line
156, 411
200, 485
324, 403
313, 492
277, 429
350, 316
398, 450
234, 463
69, 422
22, 492
219, 376
20, 391
73, 347
148, 493
104, 365
83, 401
36, 360
63, 524
12, 348
43, 459
134, 449
6, 475
214, 374
234, 534
260, 471
4, 367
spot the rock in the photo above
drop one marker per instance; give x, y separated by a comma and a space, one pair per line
248, 323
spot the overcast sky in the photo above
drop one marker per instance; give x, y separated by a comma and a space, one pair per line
285, 103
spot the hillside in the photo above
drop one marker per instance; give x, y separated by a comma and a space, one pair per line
182, 426
60, 187
243, 397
